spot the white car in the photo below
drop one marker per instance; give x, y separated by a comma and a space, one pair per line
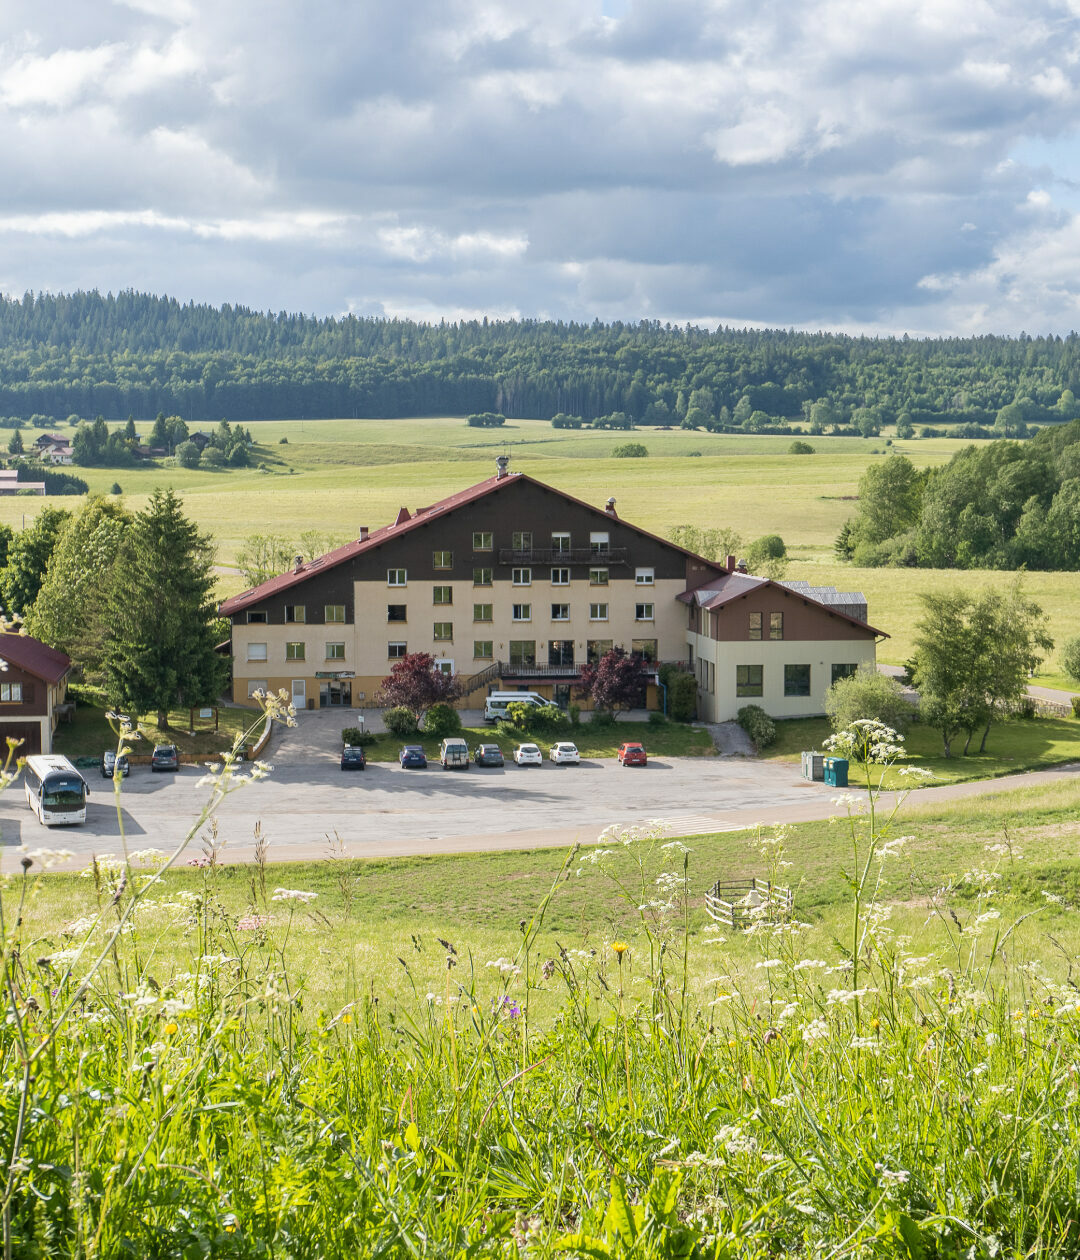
528, 755
565, 755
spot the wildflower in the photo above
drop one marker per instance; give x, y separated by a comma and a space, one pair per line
768, 964
504, 966
253, 922
895, 1176
171, 1027
620, 948
293, 894
816, 1030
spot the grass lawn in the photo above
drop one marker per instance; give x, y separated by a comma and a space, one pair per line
1013, 746
91, 732
670, 740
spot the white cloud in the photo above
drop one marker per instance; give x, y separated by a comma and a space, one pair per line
56, 80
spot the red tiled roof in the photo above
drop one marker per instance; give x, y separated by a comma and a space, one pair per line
718, 591
35, 657
404, 523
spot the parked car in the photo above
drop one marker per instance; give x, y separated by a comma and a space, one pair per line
412, 757
528, 755
111, 764
488, 755
454, 753
352, 758
164, 757
565, 754
632, 755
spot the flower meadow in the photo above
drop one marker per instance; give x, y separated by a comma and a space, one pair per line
169, 1088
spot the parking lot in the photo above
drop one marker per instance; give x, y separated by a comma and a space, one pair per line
387, 811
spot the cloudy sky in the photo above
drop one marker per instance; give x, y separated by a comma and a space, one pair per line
887, 165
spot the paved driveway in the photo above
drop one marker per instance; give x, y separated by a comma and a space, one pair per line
387, 811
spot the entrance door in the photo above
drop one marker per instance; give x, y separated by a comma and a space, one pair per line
562, 695
299, 693
333, 694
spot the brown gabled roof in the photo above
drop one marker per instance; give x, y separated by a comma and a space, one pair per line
35, 657
402, 525
719, 591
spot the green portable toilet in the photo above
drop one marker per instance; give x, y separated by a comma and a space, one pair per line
836, 769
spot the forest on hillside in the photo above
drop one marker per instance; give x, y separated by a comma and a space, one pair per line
115, 355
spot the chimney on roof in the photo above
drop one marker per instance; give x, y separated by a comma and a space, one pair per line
730, 565
502, 466
363, 533
741, 567
609, 507
402, 516
298, 563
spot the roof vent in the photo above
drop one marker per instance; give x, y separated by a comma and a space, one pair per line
298, 563
402, 516
741, 567
502, 466
609, 507
363, 533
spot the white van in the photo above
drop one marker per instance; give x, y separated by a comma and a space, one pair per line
495, 704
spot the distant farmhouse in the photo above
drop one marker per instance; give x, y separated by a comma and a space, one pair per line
10, 483
512, 584
54, 448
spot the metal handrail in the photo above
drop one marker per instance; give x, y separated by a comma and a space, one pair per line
575, 555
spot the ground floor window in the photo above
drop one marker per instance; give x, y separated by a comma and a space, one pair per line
523, 652
395, 651
561, 652
843, 671
334, 694
595, 649
750, 680
483, 650
256, 685
796, 680
645, 648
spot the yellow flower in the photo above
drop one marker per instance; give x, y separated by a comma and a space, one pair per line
347, 1017
620, 948
171, 1027
875, 1024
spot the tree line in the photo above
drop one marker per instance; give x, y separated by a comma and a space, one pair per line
1004, 505
134, 353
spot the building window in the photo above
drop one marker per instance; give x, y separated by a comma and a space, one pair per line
11, 693
755, 625
599, 541
335, 651
483, 649
256, 685
749, 680
521, 540
598, 577
443, 595
256, 651
481, 577
334, 614
397, 577
644, 577
843, 671
596, 648
523, 652
645, 648
444, 667
560, 542
796, 680
560, 612
560, 577
442, 559
257, 617
482, 612
295, 652
598, 612
522, 577
444, 631
643, 612
395, 651
395, 612
295, 613
522, 612
776, 627
482, 541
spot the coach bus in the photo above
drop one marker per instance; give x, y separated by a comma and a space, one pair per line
55, 790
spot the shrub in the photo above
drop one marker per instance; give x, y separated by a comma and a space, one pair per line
1070, 658
602, 719
354, 737
757, 724
657, 719
283, 441
1076, 706
116, 488
400, 721
441, 720
800, 448
188, 455
682, 697
547, 719
485, 420
630, 450
212, 458
868, 694
575, 714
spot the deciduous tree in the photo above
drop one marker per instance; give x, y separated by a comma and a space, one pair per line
415, 684
616, 682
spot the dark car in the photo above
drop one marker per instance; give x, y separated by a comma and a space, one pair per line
488, 755
413, 757
111, 764
164, 757
633, 755
352, 758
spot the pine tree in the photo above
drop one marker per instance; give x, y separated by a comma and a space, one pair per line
15, 446
159, 646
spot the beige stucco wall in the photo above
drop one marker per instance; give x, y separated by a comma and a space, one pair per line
722, 704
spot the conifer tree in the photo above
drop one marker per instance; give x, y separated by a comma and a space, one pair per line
159, 645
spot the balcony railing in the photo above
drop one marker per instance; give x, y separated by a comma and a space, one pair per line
575, 555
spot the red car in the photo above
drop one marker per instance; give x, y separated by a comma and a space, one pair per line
632, 755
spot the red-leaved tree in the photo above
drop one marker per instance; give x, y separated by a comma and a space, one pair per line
617, 681
415, 684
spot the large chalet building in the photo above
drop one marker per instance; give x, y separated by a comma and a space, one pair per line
512, 584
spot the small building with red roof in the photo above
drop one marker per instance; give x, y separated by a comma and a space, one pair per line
33, 684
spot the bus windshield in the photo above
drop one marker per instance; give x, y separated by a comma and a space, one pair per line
62, 793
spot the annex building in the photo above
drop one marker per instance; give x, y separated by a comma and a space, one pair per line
512, 584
